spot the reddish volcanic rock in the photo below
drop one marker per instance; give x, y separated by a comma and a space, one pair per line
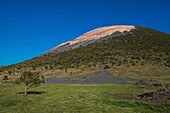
101, 32
94, 35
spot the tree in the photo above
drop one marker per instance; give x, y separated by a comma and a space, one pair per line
30, 79
1, 70
5, 78
10, 72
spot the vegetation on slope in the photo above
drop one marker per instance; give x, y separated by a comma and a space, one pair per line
141, 47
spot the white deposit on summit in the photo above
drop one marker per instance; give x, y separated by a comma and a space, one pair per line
101, 32
98, 33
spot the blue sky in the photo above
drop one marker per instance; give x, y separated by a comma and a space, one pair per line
31, 27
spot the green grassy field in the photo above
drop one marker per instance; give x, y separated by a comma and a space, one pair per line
75, 98
148, 72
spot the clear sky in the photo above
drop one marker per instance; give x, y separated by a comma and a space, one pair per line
31, 27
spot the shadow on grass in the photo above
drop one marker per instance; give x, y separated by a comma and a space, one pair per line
33, 92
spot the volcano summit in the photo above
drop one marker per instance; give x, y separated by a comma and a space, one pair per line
96, 35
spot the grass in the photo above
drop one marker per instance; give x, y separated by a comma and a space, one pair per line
70, 98
147, 72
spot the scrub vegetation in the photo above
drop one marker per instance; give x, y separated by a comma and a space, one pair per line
140, 53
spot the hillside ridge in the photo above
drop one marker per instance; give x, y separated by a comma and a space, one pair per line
96, 35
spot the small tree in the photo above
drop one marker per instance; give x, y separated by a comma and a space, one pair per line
30, 79
10, 72
5, 78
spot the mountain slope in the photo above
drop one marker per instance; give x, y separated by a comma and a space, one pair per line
139, 50
96, 35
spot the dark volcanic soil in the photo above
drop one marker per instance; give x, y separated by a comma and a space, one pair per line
102, 78
160, 95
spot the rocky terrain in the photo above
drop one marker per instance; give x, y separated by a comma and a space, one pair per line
159, 95
102, 78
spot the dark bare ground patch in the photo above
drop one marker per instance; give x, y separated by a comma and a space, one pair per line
145, 84
160, 95
101, 78
33, 92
